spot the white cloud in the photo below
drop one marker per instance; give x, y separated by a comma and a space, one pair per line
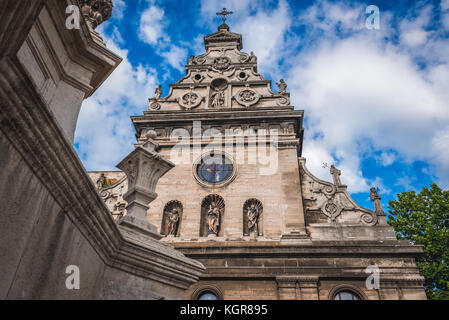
386, 158
444, 4
119, 9
362, 95
104, 133
176, 57
151, 25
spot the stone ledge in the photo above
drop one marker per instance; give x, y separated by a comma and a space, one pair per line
53, 160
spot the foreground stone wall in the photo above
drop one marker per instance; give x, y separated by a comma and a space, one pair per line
51, 215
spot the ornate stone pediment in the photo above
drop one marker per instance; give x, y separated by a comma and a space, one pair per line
332, 200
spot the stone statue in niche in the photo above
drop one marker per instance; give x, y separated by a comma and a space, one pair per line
252, 217
173, 221
282, 86
213, 219
375, 197
158, 92
252, 214
335, 175
218, 99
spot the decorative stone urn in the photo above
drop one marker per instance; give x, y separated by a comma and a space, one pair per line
143, 167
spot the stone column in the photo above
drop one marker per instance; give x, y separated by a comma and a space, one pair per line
308, 287
143, 167
286, 287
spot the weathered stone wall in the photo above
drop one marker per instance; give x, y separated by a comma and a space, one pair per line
278, 205
316, 271
51, 215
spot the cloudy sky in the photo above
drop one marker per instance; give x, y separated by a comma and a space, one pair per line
376, 101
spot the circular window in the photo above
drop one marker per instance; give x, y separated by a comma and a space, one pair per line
242, 75
214, 169
207, 295
346, 295
197, 77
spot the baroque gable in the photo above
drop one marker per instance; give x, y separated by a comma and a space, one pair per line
223, 77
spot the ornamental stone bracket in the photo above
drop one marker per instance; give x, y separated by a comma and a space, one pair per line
143, 168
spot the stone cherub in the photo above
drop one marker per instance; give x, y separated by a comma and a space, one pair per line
252, 57
173, 222
252, 214
282, 86
190, 62
213, 219
158, 92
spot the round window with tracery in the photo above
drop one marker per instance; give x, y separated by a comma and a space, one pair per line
215, 169
346, 295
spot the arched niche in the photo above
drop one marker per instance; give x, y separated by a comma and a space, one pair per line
212, 211
172, 218
252, 217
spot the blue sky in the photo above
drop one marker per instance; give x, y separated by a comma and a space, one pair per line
376, 102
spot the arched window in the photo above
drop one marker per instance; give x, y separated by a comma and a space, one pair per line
212, 211
207, 292
346, 295
207, 295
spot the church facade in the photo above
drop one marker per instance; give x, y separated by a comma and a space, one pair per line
241, 200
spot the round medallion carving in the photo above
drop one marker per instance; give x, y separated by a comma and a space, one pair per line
247, 97
222, 63
189, 100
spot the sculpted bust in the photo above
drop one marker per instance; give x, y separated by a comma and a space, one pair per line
95, 12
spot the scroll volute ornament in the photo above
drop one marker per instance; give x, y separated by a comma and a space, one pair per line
95, 12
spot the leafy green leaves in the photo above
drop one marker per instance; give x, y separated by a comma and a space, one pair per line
423, 218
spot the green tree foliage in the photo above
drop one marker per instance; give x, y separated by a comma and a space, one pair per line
423, 218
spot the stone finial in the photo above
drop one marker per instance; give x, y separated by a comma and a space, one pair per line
143, 168
375, 197
95, 12
282, 86
335, 175
158, 92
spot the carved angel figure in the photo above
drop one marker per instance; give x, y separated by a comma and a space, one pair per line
282, 86
158, 92
213, 218
173, 222
190, 62
252, 57
375, 197
252, 214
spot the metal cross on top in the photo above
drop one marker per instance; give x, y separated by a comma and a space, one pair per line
224, 13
